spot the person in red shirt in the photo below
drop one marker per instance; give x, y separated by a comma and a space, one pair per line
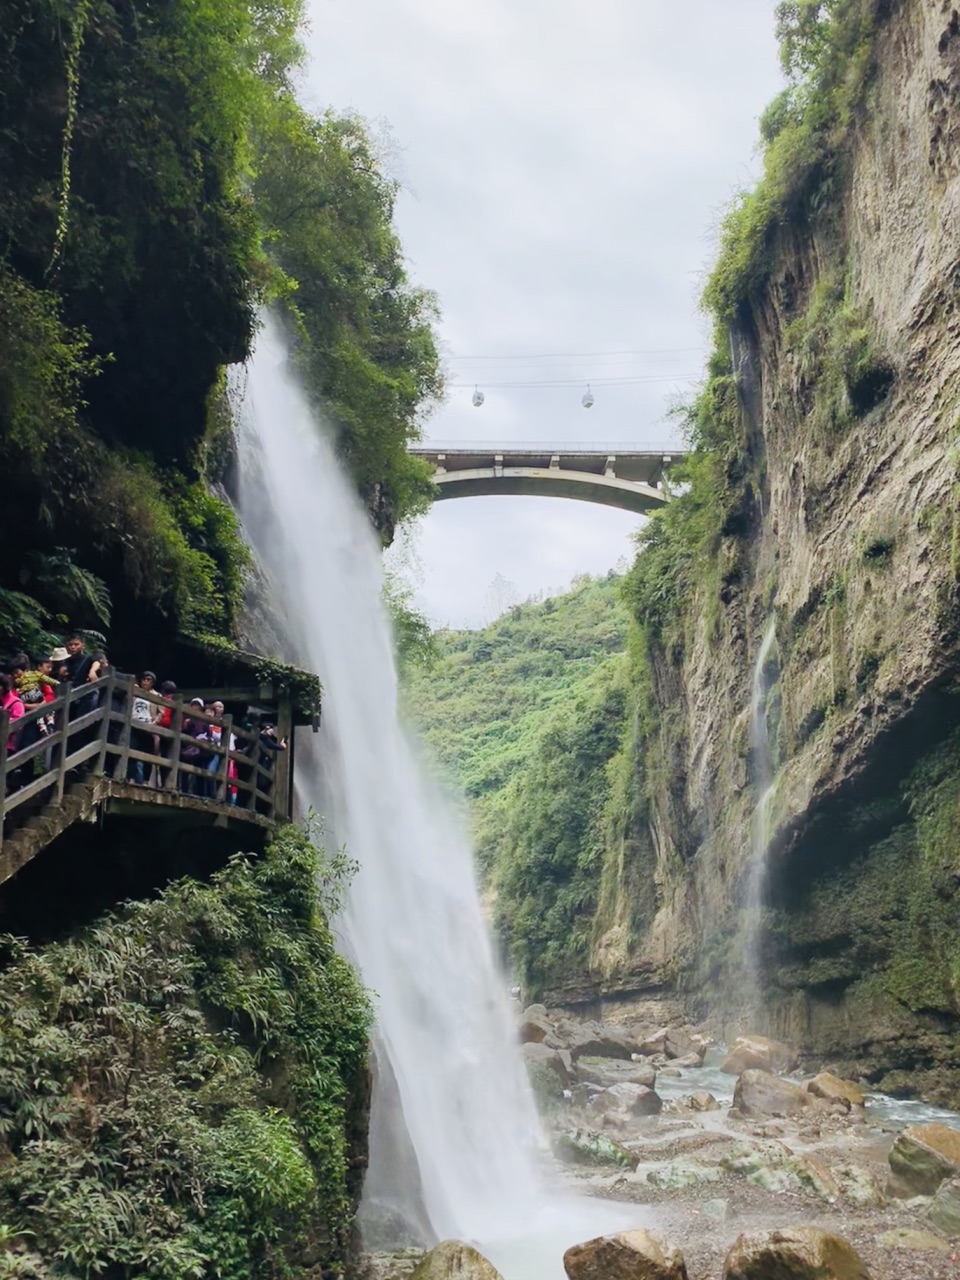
12, 705
162, 718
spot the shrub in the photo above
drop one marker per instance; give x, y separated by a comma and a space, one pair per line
174, 1082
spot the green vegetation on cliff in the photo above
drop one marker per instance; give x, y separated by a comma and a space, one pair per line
162, 183
182, 1084
525, 716
692, 551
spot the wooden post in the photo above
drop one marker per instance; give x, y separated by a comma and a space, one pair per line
106, 707
282, 772
64, 743
123, 760
176, 727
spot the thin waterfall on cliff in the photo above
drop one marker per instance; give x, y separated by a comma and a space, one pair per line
413, 919
764, 787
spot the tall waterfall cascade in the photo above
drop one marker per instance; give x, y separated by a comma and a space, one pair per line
412, 919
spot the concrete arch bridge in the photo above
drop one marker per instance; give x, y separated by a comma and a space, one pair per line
631, 477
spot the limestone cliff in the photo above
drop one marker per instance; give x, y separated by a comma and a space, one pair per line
842, 525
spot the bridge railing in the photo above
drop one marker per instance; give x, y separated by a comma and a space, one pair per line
92, 727
541, 446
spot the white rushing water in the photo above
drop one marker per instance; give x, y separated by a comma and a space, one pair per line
413, 920
765, 790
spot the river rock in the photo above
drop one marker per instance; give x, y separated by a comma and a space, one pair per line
758, 1093
582, 1146
454, 1260
923, 1156
630, 1255
653, 1042
912, 1240
945, 1210
609, 1071
701, 1101
681, 1043
832, 1089
798, 1253
541, 1055
758, 1053
681, 1175
772, 1166
688, 1060
535, 1026
627, 1099
597, 1040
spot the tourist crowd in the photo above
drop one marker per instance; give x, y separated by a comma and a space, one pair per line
27, 684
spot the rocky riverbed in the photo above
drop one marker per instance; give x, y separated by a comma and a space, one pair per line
721, 1142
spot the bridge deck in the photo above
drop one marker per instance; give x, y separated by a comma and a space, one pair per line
624, 476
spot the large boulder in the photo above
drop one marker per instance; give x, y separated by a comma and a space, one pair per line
541, 1055
609, 1071
533, 1029
832, 1089
628, 1100
630, 1255
597, 1040
758, 1093
945, 1210
454, 1260
758, 1053
922, 1157
680, 1043
653, 1042
798, 1253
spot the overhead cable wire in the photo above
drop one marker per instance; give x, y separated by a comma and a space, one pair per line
577, 355
578, 382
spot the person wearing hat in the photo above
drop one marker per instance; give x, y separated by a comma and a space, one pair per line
141, 713
191, 784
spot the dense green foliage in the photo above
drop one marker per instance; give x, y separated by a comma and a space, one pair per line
366, 348
525, 716
161, 183
175, 1082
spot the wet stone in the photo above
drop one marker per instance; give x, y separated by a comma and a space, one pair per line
630, 1255
797, 1253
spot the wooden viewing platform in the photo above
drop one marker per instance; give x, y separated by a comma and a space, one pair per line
86, 759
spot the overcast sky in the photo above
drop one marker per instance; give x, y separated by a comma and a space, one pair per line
564, 167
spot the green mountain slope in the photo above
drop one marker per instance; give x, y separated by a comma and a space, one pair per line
527, 716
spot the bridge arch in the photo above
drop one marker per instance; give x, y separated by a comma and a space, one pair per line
628, 478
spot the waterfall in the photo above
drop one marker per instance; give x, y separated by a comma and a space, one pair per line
765, 791
412, 920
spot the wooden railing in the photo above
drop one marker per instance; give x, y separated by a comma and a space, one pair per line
92, 730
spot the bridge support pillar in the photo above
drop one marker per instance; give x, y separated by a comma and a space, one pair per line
608, 469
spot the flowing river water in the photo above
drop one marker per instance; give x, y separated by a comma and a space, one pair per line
451, 1078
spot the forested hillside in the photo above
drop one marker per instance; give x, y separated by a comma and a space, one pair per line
527, 717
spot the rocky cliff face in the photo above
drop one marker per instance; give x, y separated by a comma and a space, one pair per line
849, 539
